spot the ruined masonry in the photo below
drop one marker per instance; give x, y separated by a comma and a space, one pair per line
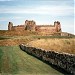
31, 26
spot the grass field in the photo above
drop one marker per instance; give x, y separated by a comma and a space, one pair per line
55, 44
15, 61
59, 44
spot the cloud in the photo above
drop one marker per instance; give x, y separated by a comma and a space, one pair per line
10, 18
6, 0
43, 10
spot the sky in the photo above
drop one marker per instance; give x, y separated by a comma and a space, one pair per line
41, 11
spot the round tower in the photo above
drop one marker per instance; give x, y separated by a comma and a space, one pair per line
58, 26
10, 25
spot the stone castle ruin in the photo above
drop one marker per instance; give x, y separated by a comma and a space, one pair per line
31, 26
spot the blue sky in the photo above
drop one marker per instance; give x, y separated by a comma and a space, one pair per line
42, 11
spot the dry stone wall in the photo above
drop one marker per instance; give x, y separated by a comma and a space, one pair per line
62, 60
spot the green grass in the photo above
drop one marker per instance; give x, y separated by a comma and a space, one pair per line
1, 54
15, 61
3, 37
45, 37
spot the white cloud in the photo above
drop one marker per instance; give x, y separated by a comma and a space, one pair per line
46, 10
10, 18
6, 0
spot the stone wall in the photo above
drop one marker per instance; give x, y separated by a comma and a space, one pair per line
18, 28
62, 60
46, 28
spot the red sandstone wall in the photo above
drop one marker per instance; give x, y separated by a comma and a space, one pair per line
17, 28
46, 29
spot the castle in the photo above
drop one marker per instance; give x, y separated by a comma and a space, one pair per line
30, 25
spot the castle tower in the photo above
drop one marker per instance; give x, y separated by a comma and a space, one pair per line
10, 25
30, 25
58, 26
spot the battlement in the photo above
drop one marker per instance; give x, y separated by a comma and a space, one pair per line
30, 22
57, 22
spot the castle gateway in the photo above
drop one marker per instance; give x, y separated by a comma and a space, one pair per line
31, 26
